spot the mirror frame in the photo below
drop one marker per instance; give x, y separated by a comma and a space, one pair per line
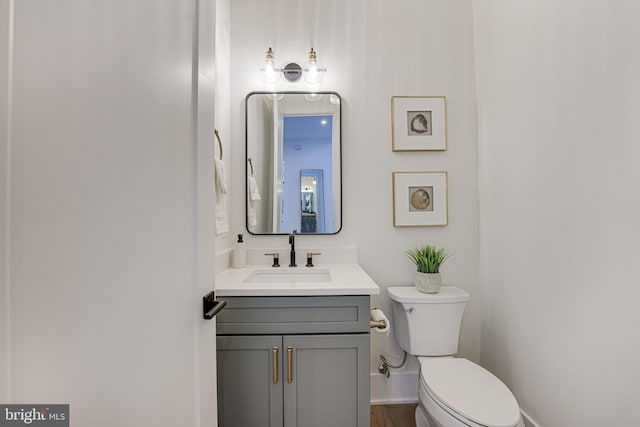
247, 166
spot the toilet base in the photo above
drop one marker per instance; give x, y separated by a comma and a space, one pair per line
421, 417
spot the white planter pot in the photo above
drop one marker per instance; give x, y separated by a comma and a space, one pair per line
428, 283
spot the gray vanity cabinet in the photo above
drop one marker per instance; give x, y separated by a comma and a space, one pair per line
313, 373
330, 381
247, 392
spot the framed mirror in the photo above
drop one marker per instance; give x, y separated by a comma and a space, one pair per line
293, 162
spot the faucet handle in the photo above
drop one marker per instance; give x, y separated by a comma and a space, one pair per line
310, 258
276, 258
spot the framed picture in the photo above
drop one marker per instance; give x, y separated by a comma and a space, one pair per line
419, 199
419, 123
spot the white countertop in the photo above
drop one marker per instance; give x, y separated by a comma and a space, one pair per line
346, 279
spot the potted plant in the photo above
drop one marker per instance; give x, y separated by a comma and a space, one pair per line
428, 260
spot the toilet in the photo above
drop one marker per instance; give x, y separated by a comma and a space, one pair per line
452, 392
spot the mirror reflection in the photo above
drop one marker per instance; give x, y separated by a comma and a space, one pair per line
293, 149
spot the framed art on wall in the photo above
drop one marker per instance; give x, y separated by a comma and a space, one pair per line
419, 199
419, 123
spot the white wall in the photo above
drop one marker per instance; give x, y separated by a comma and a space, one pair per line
558, 94
104, 309
4, 201
222, 82
375, 49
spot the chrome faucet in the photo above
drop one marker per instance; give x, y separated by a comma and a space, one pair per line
292, 253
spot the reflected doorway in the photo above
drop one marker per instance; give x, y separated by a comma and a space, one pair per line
312, 216
307, 158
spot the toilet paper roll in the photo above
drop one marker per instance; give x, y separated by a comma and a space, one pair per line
377, 315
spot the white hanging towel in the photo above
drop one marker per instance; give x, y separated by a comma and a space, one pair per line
222, 222
254, 195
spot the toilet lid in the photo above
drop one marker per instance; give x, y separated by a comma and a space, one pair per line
411, 295
469, 390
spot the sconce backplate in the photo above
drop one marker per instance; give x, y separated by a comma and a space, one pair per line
292, 72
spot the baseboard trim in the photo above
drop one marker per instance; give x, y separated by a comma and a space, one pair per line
528, 422
399, 388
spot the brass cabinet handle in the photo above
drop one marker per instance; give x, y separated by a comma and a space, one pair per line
275, 365
289, 364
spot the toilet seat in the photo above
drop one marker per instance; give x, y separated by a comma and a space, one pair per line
468, 392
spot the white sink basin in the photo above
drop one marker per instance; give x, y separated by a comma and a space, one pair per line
288, 276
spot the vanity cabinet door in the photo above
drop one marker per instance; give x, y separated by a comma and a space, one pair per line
249, 390
329, 382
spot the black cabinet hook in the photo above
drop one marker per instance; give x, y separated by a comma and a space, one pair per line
211, 307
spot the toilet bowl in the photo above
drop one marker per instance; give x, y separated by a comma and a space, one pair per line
456, 392
453, 392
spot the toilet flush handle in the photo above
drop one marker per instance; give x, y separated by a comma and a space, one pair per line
410, 309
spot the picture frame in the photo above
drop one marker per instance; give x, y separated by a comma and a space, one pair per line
420, 199
419, 123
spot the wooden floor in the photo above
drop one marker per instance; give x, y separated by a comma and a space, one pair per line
393, 415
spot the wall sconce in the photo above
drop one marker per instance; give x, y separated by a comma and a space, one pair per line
312, 71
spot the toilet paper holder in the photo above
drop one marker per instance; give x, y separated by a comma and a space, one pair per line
380, 324
378, 320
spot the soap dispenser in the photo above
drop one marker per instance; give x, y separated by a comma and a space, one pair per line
240, 253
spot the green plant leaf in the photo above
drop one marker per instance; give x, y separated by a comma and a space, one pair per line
428, 258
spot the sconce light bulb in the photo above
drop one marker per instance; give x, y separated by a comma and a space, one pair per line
314, 71
269, 72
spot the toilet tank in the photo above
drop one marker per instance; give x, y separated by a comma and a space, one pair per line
428, 324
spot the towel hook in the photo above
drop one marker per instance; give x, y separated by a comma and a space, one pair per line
250, 165
219, 142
